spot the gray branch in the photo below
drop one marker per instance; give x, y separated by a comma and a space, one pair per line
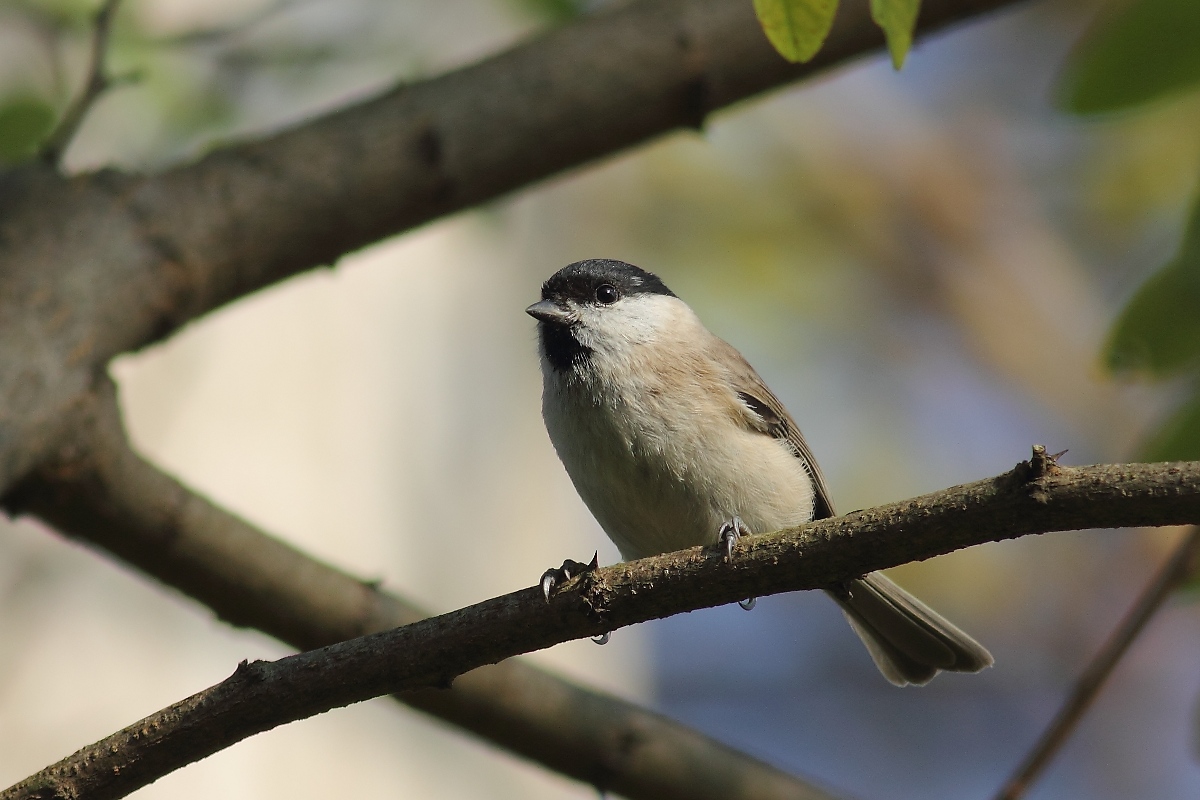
102, 264
97, 265
1037, 496
98, 491
1179, 567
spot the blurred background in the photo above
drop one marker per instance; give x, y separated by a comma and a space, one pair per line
924, 265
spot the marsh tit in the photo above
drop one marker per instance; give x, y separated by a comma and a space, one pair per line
673, 440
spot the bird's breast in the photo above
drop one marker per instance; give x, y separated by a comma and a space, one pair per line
662, 468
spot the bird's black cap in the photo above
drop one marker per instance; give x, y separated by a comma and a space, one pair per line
579, 281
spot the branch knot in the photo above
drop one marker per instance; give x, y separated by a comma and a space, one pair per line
250, 671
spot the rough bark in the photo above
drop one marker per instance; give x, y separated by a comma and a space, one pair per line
95, 265
1037, 496
100, 264
98, 491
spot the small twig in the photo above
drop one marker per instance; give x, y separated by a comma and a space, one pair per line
97, 83
1179, 566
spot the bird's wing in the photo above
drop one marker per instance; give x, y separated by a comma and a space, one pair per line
767, 414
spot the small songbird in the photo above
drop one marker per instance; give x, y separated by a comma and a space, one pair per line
673, 440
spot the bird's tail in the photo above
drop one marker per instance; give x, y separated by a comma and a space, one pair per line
909, 641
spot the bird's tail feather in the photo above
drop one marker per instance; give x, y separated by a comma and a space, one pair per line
909, 641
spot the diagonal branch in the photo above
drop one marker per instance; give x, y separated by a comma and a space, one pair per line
1038, 496
100, 264
95, 84
1179, 566
304, 197
102, 493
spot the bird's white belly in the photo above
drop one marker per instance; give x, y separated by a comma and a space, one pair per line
655, 488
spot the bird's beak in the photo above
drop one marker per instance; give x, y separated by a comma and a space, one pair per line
551, 312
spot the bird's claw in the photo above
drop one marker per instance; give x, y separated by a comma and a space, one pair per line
729, 535
727, 539
570, 568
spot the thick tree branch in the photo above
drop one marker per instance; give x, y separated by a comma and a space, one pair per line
102, 264
269, 209
1038, 496
98, 491
1178, 568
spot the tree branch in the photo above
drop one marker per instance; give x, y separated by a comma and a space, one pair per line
269, 209
101, 264
1038, 496
96, 83
99, 491
1179, 566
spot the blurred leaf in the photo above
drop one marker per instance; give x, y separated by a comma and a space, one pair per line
1179, 438
797, 28
1147, 49
25, 120
898, 18
1159, 331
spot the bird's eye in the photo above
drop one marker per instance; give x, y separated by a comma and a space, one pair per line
607, 294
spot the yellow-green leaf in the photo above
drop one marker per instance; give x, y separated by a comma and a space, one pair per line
1138, 52
797, 28
1158, 332
898, 18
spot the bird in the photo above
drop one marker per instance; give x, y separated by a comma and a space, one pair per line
672, 440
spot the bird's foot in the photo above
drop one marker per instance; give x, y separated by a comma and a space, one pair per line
727, 539
729, 535
570, 568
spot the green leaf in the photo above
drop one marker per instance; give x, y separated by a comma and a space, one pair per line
1179, 438
1143, 51
1159, 331
797, 28
898, 18
25, 120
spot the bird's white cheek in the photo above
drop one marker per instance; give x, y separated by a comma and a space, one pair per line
629, 323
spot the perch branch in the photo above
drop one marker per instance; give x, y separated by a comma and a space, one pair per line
100, 492
1038, 496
